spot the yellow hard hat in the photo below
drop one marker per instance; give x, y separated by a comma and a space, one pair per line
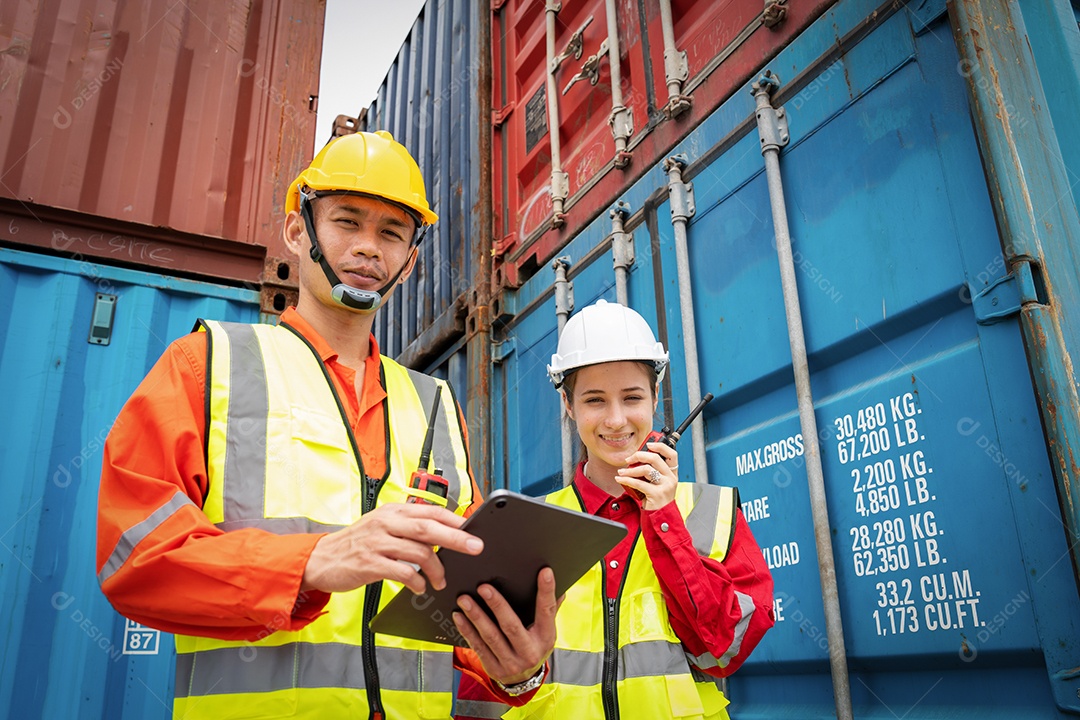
368, 163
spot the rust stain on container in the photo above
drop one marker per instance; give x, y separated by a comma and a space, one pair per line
189, 117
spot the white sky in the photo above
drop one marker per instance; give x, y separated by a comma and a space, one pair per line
360, 43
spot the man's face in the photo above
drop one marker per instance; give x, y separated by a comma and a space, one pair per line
365, 240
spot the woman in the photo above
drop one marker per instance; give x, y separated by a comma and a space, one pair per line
686, 596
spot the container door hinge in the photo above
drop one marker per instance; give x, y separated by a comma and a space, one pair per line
504, 245
772, 121
622, 242
1007, 295
564, 288
560, 190
502, 350
504, 306
681, 194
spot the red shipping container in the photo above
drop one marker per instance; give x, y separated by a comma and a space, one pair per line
156, 133
666, 88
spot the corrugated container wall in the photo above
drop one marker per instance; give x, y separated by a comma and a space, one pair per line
429, 102
172, 129
64, 652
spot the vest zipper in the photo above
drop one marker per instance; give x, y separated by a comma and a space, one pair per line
371, 495
608, 688
371, 605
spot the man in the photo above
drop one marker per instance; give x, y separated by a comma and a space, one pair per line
254, 489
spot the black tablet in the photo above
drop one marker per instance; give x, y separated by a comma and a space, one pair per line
521, 535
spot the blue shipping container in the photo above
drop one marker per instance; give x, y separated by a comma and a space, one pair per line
956, 585
428, 101
930, 183
64, 652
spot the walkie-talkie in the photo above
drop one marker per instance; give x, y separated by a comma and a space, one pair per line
432, 482
669, 437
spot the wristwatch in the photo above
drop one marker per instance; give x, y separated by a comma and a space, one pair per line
525, 685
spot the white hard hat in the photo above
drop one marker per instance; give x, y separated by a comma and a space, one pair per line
605, 332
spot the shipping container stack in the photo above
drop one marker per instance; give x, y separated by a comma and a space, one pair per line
145, 149
854, 222
851, 221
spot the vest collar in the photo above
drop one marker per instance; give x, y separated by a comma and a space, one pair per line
296, 321
592, 497
374, 387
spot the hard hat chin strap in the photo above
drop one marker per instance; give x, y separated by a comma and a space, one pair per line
350, 297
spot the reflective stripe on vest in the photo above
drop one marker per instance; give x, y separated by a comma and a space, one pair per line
654, 676
641, 659
479, 709
281, 457
251, 669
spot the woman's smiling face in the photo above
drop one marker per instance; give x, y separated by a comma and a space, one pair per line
612, 404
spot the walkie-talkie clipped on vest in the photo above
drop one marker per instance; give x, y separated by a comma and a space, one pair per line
432, 482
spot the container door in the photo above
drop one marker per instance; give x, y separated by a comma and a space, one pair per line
950, 552
956, 587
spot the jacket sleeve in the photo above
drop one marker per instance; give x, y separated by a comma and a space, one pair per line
478, 696
160, 561
720, 610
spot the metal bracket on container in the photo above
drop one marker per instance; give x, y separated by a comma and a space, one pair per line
560, 190
504, 306
564, 289
345, 125
622, 243
622, 127
676, 70
574, 46
772, 122
677, 105
680, 193
280, 286
502, 350
503, 245
498, 117
1005, 296
590, 69
774, 14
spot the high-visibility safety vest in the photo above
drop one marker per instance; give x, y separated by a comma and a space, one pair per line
282, 457
619, 657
